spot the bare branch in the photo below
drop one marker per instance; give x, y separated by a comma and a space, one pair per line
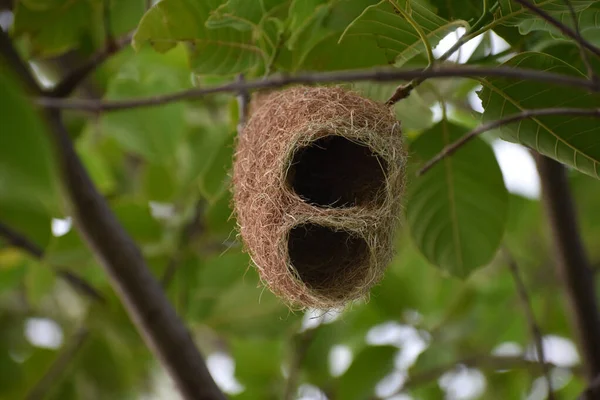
536, 332
59, 366
70, 82
451, 148
562, 27
374, 75
593, 390
572, 262
79, 284
584, 56
140, 293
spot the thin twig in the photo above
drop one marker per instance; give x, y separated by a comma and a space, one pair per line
572, 262
192, 228
58, 367
70, 82
534, 327
243, 100
561, 27
584, 56
451, 148
482, 361
374, 75
300, 348
18, 240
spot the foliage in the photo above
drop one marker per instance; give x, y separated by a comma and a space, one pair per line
165, 172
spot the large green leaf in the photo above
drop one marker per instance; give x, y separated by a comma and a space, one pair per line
369, 367
512, 13
212, 51
588, 21
153, 133
464, 9
27, 178
570, 140
457, 210
388, 30
54, 27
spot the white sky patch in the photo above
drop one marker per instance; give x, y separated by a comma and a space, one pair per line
557, 350
508, 349
340, 358
222, 369
43, 332
518, 169
162, 211
463, 383
310, 392
391, 384
61, 226
313, 318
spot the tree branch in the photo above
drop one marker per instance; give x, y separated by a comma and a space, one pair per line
141, 294
57, 368
536, 332
373, 75
453, 147
572, 263
70, 82
79, 284
561, 27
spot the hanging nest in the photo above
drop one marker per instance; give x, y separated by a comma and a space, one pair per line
318, 178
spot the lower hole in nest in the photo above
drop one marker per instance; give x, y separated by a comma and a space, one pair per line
326, 259
336, 172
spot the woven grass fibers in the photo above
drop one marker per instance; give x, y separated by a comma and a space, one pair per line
318, 177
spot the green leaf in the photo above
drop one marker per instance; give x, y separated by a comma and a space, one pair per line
39, 281
512, 13
463, 9
383, 26
258, 365
369, 367
570, 140
27, 176
457, 210
220, 51
153, 133
588, 21
243, 15
137, 220
55, 27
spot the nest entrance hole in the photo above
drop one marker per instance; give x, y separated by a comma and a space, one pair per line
335, 172
326, 259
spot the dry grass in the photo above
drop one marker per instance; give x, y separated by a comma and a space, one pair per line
318, 179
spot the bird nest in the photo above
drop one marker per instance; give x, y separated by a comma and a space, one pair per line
318, 179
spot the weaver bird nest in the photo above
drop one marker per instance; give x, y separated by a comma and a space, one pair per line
318, 177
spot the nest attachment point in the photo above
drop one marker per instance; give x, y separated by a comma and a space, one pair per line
318, 178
